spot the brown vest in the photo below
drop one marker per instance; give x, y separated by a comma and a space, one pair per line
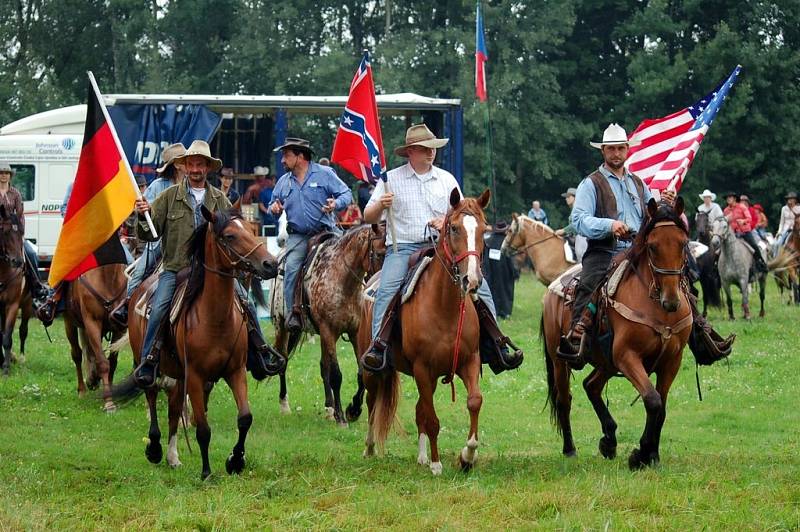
606, 204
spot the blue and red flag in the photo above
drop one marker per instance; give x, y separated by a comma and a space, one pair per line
358, 147
481, 57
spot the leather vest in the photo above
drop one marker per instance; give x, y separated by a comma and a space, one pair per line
606, 205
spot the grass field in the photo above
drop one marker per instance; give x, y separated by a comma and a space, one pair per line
729, 462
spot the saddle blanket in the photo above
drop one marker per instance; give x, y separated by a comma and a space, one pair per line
564, 285
408, 286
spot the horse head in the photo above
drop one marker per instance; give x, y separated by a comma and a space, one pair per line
462, 238
701, 224
376, 248
515, 237
720, 231
663, 243
240, 249
10, 238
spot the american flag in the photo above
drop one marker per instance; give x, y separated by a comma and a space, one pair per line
481, 57
665, 147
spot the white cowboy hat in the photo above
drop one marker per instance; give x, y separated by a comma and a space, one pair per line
419, 135
708, 193
614, 134
201, 148
169, 154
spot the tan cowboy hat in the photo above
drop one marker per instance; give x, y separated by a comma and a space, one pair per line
201, 148
169, 154
614, 134
7, 169
419, 135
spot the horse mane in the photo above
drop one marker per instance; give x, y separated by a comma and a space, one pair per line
664, 213
197, 253
537, 225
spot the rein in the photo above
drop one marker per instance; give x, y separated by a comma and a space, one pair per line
108, 304
517, 251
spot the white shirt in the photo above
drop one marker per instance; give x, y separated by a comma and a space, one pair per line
714, 211
417, 200
199, 194
787, 218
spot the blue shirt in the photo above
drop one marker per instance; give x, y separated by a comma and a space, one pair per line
265, 198
66, 199
155, 188
629, 208
303, 202
539, 216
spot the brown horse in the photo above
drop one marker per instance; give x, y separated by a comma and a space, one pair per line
542, 245
208, 339
651, 320
334, 290
12, 288
438, 336
89, 301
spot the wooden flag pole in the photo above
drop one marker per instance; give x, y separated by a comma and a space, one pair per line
121, 151
389, 217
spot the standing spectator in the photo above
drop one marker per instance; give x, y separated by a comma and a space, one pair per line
264, 199
364, 193
499, 270
251, 195
576, 242
709, 206
350, 216
788, 213
537, 213
226, 186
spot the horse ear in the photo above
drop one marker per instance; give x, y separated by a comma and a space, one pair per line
514, 216
455, 197
679, 205
208, 215
652, 207
483, 199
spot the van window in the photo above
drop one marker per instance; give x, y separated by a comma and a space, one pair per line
25, 180
61, 175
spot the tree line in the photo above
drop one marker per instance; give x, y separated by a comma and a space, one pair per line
558, 72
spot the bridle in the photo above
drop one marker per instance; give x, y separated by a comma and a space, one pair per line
655, 271
241, 263
16, 263
517, 251
452, 261
374, 256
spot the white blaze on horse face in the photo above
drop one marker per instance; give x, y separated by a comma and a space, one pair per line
239, 223
473, 274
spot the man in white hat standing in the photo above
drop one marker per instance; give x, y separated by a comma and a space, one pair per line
176, 213
419, 198
610, 206
709, 206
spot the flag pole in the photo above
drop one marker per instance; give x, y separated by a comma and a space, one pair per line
389, 216
490, 149
119, 148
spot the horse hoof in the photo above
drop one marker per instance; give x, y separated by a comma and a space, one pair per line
343, 424
466, 467
423, 460
285, 408
369, 452
110, 408
571, 454
352, 413
436, 468
205, 474
607, 449
639, 460
329, 413
234, 464
154, 453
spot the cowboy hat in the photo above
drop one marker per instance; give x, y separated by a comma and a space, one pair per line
6, 168
744, 197
419, 135
708, 193
294, 142
571, 191
261, 170
731, 193
500, 227
613, 135
227, 172
201, 148
791, 195
169, 154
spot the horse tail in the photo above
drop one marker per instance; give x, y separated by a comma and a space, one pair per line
785, 260
551, 379
126, 391
387, 397
120, 344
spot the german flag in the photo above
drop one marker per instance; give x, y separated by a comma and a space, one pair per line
102, 197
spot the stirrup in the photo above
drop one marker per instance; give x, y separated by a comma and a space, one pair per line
374, 348
148, 361
567, 353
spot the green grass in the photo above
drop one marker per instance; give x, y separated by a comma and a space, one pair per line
729, 462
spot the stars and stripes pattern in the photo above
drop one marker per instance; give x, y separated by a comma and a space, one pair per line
358, 147
481, 57
663, 148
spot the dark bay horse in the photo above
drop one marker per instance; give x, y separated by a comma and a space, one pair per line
707, 264
334, 290
89, 302
438, 336
209, 336
12, 288
651, 320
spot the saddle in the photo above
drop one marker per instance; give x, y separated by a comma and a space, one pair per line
301, 300
416, 266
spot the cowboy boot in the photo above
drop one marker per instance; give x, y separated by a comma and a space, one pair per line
706, 344
146, 372
294, 324
573, 345
120, 313
263, 360
375, 359
493, 344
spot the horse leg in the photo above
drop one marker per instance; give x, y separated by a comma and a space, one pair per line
664, 379
113, 357
762, 287
427, 422
371, 385
334, 374
593, 385
238, 385
76, 352
353, 411
92, 377
8, 331
729, 300
153, 450
281, 344
282, 396
474, 401
94, 333
560, 400
23, 333
176, 404
631, 366
194, 386
745, 289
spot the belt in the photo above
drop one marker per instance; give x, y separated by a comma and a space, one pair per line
293, 231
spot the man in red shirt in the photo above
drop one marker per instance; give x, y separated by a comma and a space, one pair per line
741, 222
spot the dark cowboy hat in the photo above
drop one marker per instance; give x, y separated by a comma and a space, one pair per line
141, 179
791, 195
500, 227
293, 142
730, 193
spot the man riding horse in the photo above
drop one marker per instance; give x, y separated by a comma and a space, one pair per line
610, 206
176, 214
742, 223
419, 198
309, 193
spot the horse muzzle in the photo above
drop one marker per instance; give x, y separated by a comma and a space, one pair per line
670, 304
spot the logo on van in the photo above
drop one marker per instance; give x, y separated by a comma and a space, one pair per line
68, 143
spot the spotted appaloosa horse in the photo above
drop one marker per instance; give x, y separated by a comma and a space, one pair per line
334, 289
13, 295
430, 341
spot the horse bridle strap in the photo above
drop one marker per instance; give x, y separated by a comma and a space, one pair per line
656, 269
107, 303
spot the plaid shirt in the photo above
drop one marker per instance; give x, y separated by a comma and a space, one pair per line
417, 200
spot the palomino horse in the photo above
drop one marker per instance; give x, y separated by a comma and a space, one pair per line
438, 336
707, 264
650, 317
543, 246
13, 295
210, 336
334, 290
89, 301
735, 263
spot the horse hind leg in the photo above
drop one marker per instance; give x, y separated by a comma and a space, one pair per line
427, 421
176, 404
153, 450
593, 385
281, 344
559, 395
283, 396
238, 384
76, 352
469, 453
94, 334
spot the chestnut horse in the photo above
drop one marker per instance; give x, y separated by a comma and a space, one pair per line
437, 336
208, 340
13, 295
651, 320
542, 245
334, 290
89, 301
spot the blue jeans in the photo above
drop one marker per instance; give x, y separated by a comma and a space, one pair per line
297, 246
148, 259
395, 267
162, 300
